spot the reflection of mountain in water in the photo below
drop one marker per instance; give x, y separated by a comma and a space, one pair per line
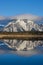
22, 44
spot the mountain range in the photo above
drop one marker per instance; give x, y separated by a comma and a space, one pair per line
24, 23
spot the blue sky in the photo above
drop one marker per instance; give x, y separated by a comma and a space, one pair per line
15, 7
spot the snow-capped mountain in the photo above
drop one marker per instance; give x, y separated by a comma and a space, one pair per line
23, 23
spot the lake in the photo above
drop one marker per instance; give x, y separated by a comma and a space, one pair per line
10, 57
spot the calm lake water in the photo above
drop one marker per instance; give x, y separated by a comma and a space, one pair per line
11, 57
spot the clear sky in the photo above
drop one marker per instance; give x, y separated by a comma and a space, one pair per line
15, 7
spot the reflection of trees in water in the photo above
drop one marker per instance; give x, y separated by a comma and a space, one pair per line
23, 44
